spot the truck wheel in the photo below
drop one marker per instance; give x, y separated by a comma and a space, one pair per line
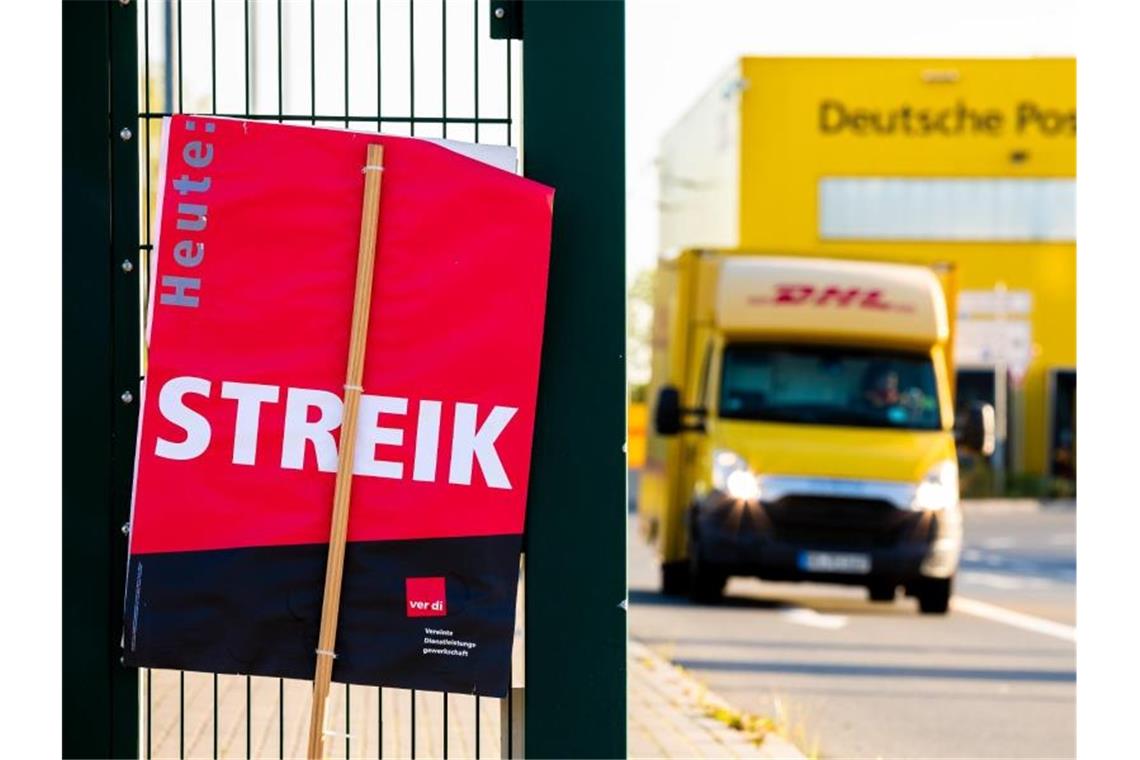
934, 595
706, 584
881, 592
707, 587
674, 578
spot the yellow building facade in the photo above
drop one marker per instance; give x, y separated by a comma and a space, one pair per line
965, 161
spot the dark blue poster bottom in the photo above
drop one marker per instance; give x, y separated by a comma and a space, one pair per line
432, 614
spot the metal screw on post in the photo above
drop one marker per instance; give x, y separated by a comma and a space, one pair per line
127, 266
126, 529
124, 3
125, 134
127, 397
500, 12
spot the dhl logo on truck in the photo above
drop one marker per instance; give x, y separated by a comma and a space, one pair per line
829, 295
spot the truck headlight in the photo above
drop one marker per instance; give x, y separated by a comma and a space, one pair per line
939, 489
732, 475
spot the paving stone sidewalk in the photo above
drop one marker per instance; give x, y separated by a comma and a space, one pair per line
668, 717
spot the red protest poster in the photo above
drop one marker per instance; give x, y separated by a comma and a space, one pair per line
248, 330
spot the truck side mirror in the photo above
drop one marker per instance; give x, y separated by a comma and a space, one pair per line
978, 429
667, 417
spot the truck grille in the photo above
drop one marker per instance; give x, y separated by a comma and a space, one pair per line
837, 522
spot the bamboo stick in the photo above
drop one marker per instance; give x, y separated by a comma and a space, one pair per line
335, 568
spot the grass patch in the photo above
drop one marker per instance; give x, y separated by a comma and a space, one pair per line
758, 727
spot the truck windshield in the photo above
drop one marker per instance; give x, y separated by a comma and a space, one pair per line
823, 385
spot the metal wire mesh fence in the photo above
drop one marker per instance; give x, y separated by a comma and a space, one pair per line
425, 68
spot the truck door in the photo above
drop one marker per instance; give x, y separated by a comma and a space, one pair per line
694, 445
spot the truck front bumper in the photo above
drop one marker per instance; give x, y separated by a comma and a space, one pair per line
771, 539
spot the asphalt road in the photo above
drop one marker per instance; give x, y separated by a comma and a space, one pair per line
996, 678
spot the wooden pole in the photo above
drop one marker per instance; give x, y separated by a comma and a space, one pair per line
365, 258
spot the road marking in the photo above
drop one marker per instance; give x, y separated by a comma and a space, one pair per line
993, 580
1003, 581
813, 619
1015, 619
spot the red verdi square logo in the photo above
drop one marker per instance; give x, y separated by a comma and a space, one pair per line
427, 597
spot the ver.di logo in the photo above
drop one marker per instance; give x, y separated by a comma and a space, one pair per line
426, 597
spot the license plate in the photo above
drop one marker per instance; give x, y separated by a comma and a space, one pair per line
835, 562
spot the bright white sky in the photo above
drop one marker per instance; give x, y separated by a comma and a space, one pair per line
676, 48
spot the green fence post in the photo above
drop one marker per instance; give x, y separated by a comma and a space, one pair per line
574, 135
100, 364
126, 327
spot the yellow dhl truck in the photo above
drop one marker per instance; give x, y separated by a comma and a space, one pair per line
804, 425
970, 161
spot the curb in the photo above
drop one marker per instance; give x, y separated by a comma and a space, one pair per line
771, 745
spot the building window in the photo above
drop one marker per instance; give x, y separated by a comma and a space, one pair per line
982, 209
